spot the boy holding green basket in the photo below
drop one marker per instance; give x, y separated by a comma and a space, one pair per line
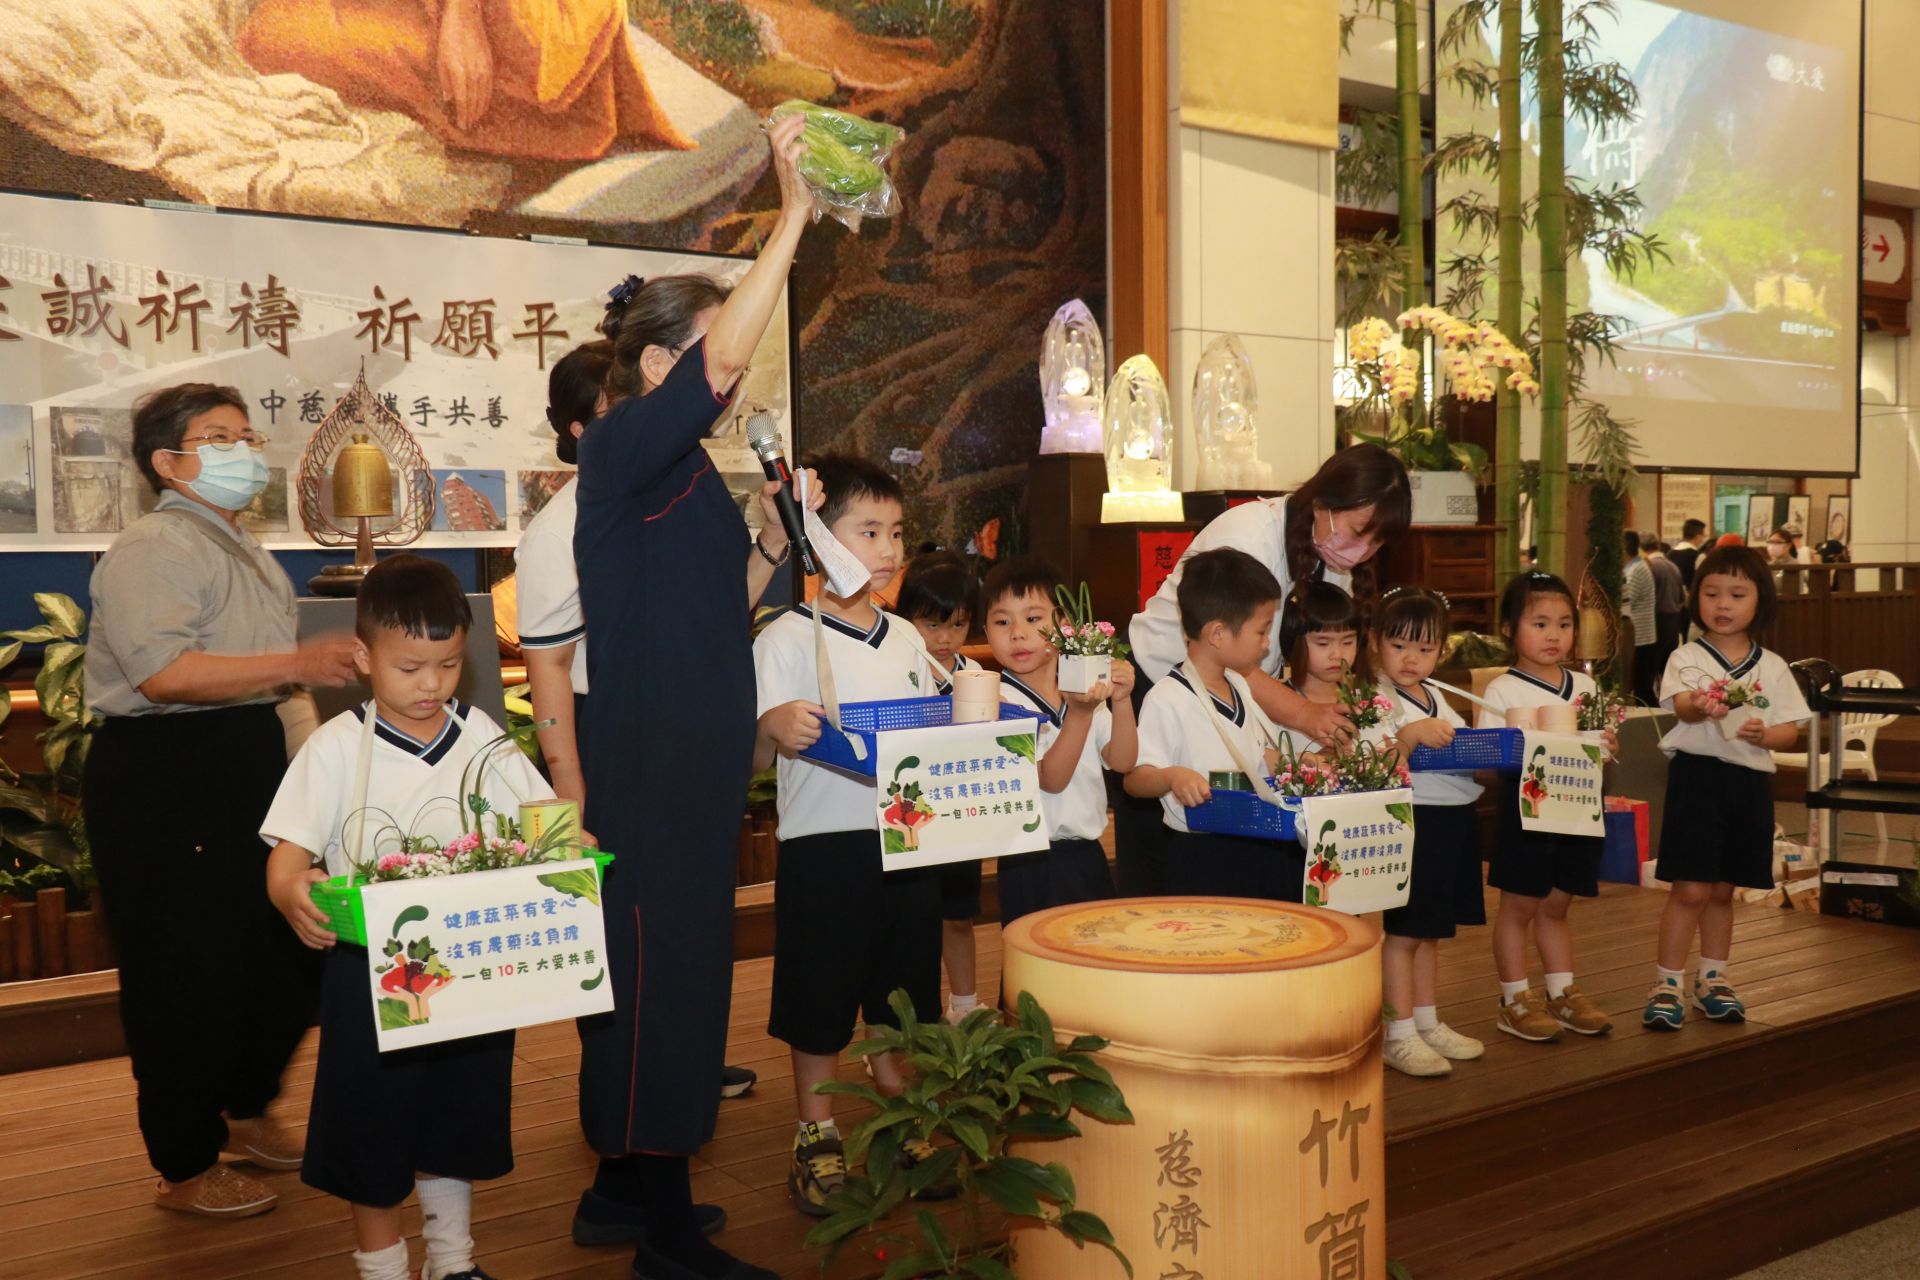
434, 1117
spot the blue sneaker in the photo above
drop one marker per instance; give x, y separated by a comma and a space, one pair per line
1664, 1011
1716, 999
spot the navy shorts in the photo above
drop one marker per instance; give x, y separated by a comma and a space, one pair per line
1445, 892
1723, 830
846, 935
378, 1119
1066, 871
1533, 864
1234, 866
960, 890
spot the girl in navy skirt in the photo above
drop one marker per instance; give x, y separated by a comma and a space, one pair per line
1539, 873
1407, 638
1722, 837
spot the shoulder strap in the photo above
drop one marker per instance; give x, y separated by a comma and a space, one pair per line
1257, 777
357, 802
823, 671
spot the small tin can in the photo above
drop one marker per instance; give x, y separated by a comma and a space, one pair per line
539, 817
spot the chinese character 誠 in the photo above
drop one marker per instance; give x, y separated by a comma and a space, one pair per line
1180, 1222
1343, 1254
82, 312
1177, 1168
1320, 1131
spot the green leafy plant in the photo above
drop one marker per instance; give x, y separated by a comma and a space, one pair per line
1074, 631
40, 818
978, 1087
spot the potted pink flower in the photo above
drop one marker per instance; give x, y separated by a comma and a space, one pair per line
1086, 647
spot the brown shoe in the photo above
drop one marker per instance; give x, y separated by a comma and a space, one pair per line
1579, 1014
1526, 1018
220, 1192
264, 1143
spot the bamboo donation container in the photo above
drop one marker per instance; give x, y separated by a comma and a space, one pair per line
1246, 1037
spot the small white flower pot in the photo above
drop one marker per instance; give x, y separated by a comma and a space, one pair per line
1079, 673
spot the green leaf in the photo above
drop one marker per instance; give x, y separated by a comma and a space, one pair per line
1021, 744
1086, 1226
906, 762
893, 841
935, 1169
68, 618
588, 984
910, 1265
1034, 825
35, 635
1397, 1270
1014, 1194
8, 652
972, 1135
395, 1015
581, 882
1593, 752
1313, 896
936, 1236
1101, 1101
987, 1269
1401, 813
407, 917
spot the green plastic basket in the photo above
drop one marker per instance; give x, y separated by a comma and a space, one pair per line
347, 915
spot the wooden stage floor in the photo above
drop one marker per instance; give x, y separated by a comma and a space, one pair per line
75, 1186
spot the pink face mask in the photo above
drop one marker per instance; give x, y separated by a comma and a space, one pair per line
1339, 551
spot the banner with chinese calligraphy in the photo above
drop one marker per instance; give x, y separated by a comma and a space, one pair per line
1359, 850
958, 793
102, 303
1560, 785
487, 951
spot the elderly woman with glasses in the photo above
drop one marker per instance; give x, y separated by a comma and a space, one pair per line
192, 648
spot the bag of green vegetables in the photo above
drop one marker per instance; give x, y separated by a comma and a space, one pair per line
844, 163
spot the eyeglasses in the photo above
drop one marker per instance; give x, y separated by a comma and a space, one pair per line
220, 442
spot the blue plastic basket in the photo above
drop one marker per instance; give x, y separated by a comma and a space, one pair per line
1472, 750
1242, 813
865, 719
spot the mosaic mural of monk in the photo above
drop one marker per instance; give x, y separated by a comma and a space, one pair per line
542, 79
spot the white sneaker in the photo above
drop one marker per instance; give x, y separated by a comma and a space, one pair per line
1448, 1043
1413, 1056
957, 1016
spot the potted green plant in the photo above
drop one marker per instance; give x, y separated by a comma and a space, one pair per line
40, 818
1086, 647
976, 1087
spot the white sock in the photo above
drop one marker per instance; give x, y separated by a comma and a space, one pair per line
1511, 991
1674, 978
1557, 983
1713, 969
1425, 1017
446, 1211
1400, 1029
963, 1003
389, 1263
828, 1129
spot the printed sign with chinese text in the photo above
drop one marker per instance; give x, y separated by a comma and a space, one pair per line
958, 793
1560, 778
456, 956
1359, 850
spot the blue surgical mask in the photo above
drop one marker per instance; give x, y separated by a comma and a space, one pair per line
229, 478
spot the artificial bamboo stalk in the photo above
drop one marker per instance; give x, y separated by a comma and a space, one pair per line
1506, 439
1413, 253
1550, 520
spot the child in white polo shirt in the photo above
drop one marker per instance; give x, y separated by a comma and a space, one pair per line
1227, 603
1081, 737
847, 933
436, 1117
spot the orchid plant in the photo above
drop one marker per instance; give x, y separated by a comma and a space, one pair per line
1472, 355
1076, 634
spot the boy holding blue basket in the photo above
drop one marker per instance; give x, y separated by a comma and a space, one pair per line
847, 933
1202, 721
435, 1117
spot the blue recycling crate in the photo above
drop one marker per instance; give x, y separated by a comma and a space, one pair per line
865, 719
1471, 751
1242, 813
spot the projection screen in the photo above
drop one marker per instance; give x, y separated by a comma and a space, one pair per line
1742, 352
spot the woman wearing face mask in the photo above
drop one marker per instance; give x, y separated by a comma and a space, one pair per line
190, 650
1333, 527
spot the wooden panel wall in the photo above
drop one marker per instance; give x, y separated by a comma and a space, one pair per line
1824, 615
1137, 80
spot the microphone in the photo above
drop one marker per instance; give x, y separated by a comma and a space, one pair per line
763, 436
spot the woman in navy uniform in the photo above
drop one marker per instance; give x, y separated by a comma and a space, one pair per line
660, 547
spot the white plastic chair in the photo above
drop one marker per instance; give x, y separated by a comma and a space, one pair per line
1859, 728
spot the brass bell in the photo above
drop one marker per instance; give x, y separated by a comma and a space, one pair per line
1595, 637
362, 480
